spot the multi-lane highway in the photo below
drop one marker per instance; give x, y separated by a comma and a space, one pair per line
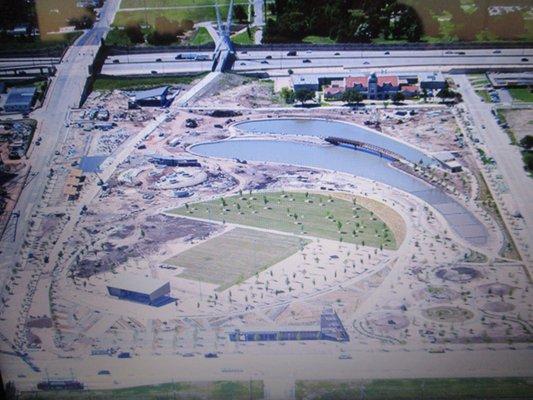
265, 60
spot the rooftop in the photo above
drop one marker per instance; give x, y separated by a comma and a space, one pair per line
150, 93
21, 95
135, 283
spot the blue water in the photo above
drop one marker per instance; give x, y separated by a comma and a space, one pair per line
344, 159
323, 128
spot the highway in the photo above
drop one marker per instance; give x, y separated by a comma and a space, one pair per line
135, 64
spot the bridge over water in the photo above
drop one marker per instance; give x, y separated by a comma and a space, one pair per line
371, 148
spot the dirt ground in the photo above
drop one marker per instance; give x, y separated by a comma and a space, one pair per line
520, 122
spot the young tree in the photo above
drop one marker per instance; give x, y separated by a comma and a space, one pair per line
351, 96
304, 95
398, 97
287, 95
240, 13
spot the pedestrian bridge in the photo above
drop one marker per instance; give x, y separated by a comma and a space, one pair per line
370, 148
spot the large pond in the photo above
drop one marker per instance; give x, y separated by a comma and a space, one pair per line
324, 128
358, 163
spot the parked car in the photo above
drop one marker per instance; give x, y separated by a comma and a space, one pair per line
104, 372
292, 53
211, 355
496, 52
306, 61
264, 62
116, 61
387, 53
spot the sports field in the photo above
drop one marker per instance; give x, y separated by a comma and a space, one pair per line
299, 213
221, 390
408, 389
235, 256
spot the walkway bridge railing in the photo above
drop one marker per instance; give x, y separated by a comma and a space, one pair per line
382, 152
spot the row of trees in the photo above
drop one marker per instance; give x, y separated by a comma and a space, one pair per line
164, 32
342, 20
350, 96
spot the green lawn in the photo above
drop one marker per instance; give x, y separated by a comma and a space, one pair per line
318, 40
243, 37
313, 214
522, 94
179, 14
169, 3
141, 83
200, 37
403, 389
484, 95
222, 390
235, 256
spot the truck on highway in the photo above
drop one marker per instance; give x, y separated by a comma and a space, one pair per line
192, 56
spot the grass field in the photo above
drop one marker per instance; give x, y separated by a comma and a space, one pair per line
122, 18
312, 214
318, 40
235, 256
142, 83
169, 3
243, 37
399, 389
223, 390
522, 94
200, 37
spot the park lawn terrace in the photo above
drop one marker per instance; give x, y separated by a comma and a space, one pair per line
309, 214
236, 255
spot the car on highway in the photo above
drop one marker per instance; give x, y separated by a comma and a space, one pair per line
337, 54
525, 59
153, 72
366, 63
345, 357
188, 354
387, 53
264, 62
496, 52
269, 57
243, 63
158, 60
448, 52
292, 53
116, 61
306, 61
211, 355
461, 53
104, 372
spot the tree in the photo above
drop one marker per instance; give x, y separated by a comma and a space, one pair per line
240, 13
287, 95
527, 142
352, 96
166, 32
134, 32
187, 25
398, 97
446, 93
304, 95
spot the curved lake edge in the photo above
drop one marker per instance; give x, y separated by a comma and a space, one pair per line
237, 126
422, 189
